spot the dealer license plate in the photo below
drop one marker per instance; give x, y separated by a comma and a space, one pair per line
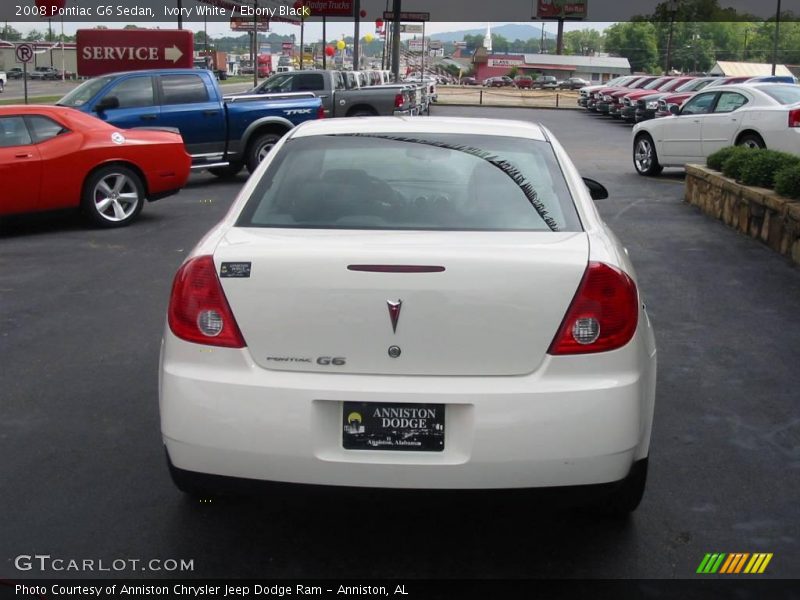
383, 426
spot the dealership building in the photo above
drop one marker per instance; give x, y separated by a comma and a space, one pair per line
591, 68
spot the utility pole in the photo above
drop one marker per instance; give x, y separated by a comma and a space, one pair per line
357, 36
777, 34
560, 38
254, 49
324, 44
672, 7
396, 40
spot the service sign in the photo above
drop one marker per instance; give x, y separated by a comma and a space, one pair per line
102, 51
561, 9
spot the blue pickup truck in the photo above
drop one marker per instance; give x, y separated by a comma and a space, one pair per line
222, 134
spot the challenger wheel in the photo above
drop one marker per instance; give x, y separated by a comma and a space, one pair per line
113, 196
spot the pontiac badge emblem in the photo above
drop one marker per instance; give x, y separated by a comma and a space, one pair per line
394, 312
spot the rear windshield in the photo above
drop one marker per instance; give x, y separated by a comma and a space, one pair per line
413, 181
785, 94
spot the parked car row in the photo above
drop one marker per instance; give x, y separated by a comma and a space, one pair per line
636, 98
529, 82
684, 119
40, 73
349, 93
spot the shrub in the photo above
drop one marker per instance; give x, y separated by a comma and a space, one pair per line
787, 182
733, 165
761, 167
716, 160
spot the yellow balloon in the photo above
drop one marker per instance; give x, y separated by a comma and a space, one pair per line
341, 45
369, 38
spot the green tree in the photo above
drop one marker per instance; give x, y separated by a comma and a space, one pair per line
583, 41
10, 34
34, 36
473, 42
635, 40
499, 43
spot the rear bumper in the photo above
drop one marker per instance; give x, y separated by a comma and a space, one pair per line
577, 420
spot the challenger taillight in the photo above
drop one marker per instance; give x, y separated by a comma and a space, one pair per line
603, 314
198, 310
794, 118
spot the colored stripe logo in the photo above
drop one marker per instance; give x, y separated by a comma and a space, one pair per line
734, 563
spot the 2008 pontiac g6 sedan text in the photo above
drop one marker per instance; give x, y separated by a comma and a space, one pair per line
411, 303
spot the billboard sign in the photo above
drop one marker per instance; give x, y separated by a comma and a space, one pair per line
410, 28
416, 45
561, 9
247, 24
329, 8
408, 16
102, 51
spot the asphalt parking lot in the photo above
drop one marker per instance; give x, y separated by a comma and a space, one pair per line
83, 470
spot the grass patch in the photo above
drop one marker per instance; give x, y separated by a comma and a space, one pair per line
32, 100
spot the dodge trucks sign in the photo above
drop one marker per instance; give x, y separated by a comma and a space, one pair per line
102, 51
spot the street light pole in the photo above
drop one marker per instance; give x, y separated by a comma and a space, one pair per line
777, 34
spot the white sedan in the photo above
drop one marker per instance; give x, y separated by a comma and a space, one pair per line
411, 303
765, 115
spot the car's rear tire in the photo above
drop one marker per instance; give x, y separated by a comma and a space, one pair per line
645, 159
229, 172
113, 196
752, 140
627, 496
259, 148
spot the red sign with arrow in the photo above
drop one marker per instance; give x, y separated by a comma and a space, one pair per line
102, 51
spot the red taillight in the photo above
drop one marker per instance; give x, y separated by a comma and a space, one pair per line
198, 311
321, 112
398, 101
603, 314
794, 118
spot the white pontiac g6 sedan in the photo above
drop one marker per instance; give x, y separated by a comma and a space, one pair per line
411, 303
764, 115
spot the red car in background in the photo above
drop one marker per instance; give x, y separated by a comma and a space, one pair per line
677, 100
630, 101
54, 158
615, 106
603, 96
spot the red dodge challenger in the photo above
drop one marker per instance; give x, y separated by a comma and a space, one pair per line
53, 157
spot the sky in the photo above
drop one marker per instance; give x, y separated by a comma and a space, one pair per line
312, 31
